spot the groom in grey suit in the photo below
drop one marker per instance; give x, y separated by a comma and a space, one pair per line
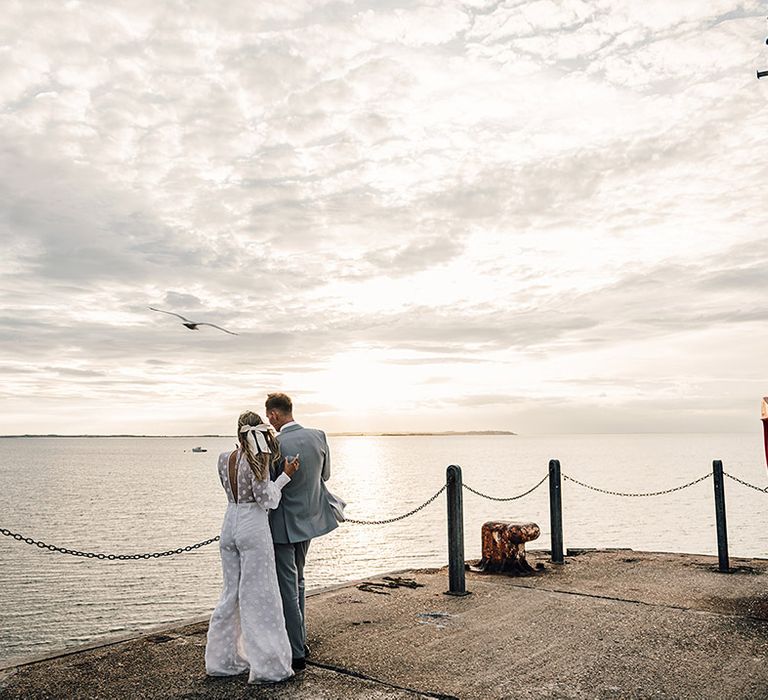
304, 513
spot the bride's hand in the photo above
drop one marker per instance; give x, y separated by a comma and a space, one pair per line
290, 468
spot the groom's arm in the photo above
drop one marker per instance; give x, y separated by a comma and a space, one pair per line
326, 473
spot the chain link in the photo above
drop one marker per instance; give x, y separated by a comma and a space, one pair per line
746, 483
100, 555
399, 517
638, 495
509, 498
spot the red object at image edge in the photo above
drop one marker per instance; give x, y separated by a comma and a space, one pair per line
764, 417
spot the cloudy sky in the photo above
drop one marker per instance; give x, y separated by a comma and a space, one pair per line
535, 216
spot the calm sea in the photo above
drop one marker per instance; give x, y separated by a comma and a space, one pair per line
133, 495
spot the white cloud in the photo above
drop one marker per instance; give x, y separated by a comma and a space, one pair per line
557, 203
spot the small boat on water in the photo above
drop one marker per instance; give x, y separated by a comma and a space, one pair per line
199, 449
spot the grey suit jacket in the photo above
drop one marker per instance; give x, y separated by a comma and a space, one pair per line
304, 511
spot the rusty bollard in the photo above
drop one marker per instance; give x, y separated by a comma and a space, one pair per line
504, 547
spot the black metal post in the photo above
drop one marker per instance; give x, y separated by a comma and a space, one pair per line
556, 511
456, 578
722, 527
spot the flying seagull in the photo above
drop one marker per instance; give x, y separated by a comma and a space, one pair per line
192, 325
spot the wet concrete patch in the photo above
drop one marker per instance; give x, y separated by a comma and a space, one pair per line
755, 606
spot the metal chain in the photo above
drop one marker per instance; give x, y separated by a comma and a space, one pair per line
156, 555
100, 555
509, 498
189, 548
638, 495
746, 483
399, 517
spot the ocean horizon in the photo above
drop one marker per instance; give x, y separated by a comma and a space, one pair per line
217, 435
418, 433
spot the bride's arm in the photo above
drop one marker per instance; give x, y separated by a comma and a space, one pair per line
271, 491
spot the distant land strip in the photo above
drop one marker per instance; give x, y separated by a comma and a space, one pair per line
417, 434
426, 434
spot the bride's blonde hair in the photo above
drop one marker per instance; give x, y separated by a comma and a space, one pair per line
259, 462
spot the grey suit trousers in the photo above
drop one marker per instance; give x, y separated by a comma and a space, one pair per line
289, 560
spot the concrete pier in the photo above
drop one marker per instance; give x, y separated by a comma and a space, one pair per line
606, 624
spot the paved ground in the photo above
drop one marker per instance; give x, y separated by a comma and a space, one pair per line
607, 624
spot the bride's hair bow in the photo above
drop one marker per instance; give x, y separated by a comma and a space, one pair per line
254, 434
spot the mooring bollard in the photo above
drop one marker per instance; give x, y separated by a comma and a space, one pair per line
504, 547
722, 528
556, 511
456, 578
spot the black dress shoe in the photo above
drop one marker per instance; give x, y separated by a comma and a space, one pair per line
298, 664
307, 653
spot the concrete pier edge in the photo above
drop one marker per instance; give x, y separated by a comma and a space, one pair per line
112, 640
609, 623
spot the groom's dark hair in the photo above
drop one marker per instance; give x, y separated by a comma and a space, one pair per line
280, 402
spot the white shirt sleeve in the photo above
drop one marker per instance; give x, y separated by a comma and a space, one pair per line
268, 493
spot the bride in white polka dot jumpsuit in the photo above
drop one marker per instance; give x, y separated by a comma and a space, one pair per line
247, 628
